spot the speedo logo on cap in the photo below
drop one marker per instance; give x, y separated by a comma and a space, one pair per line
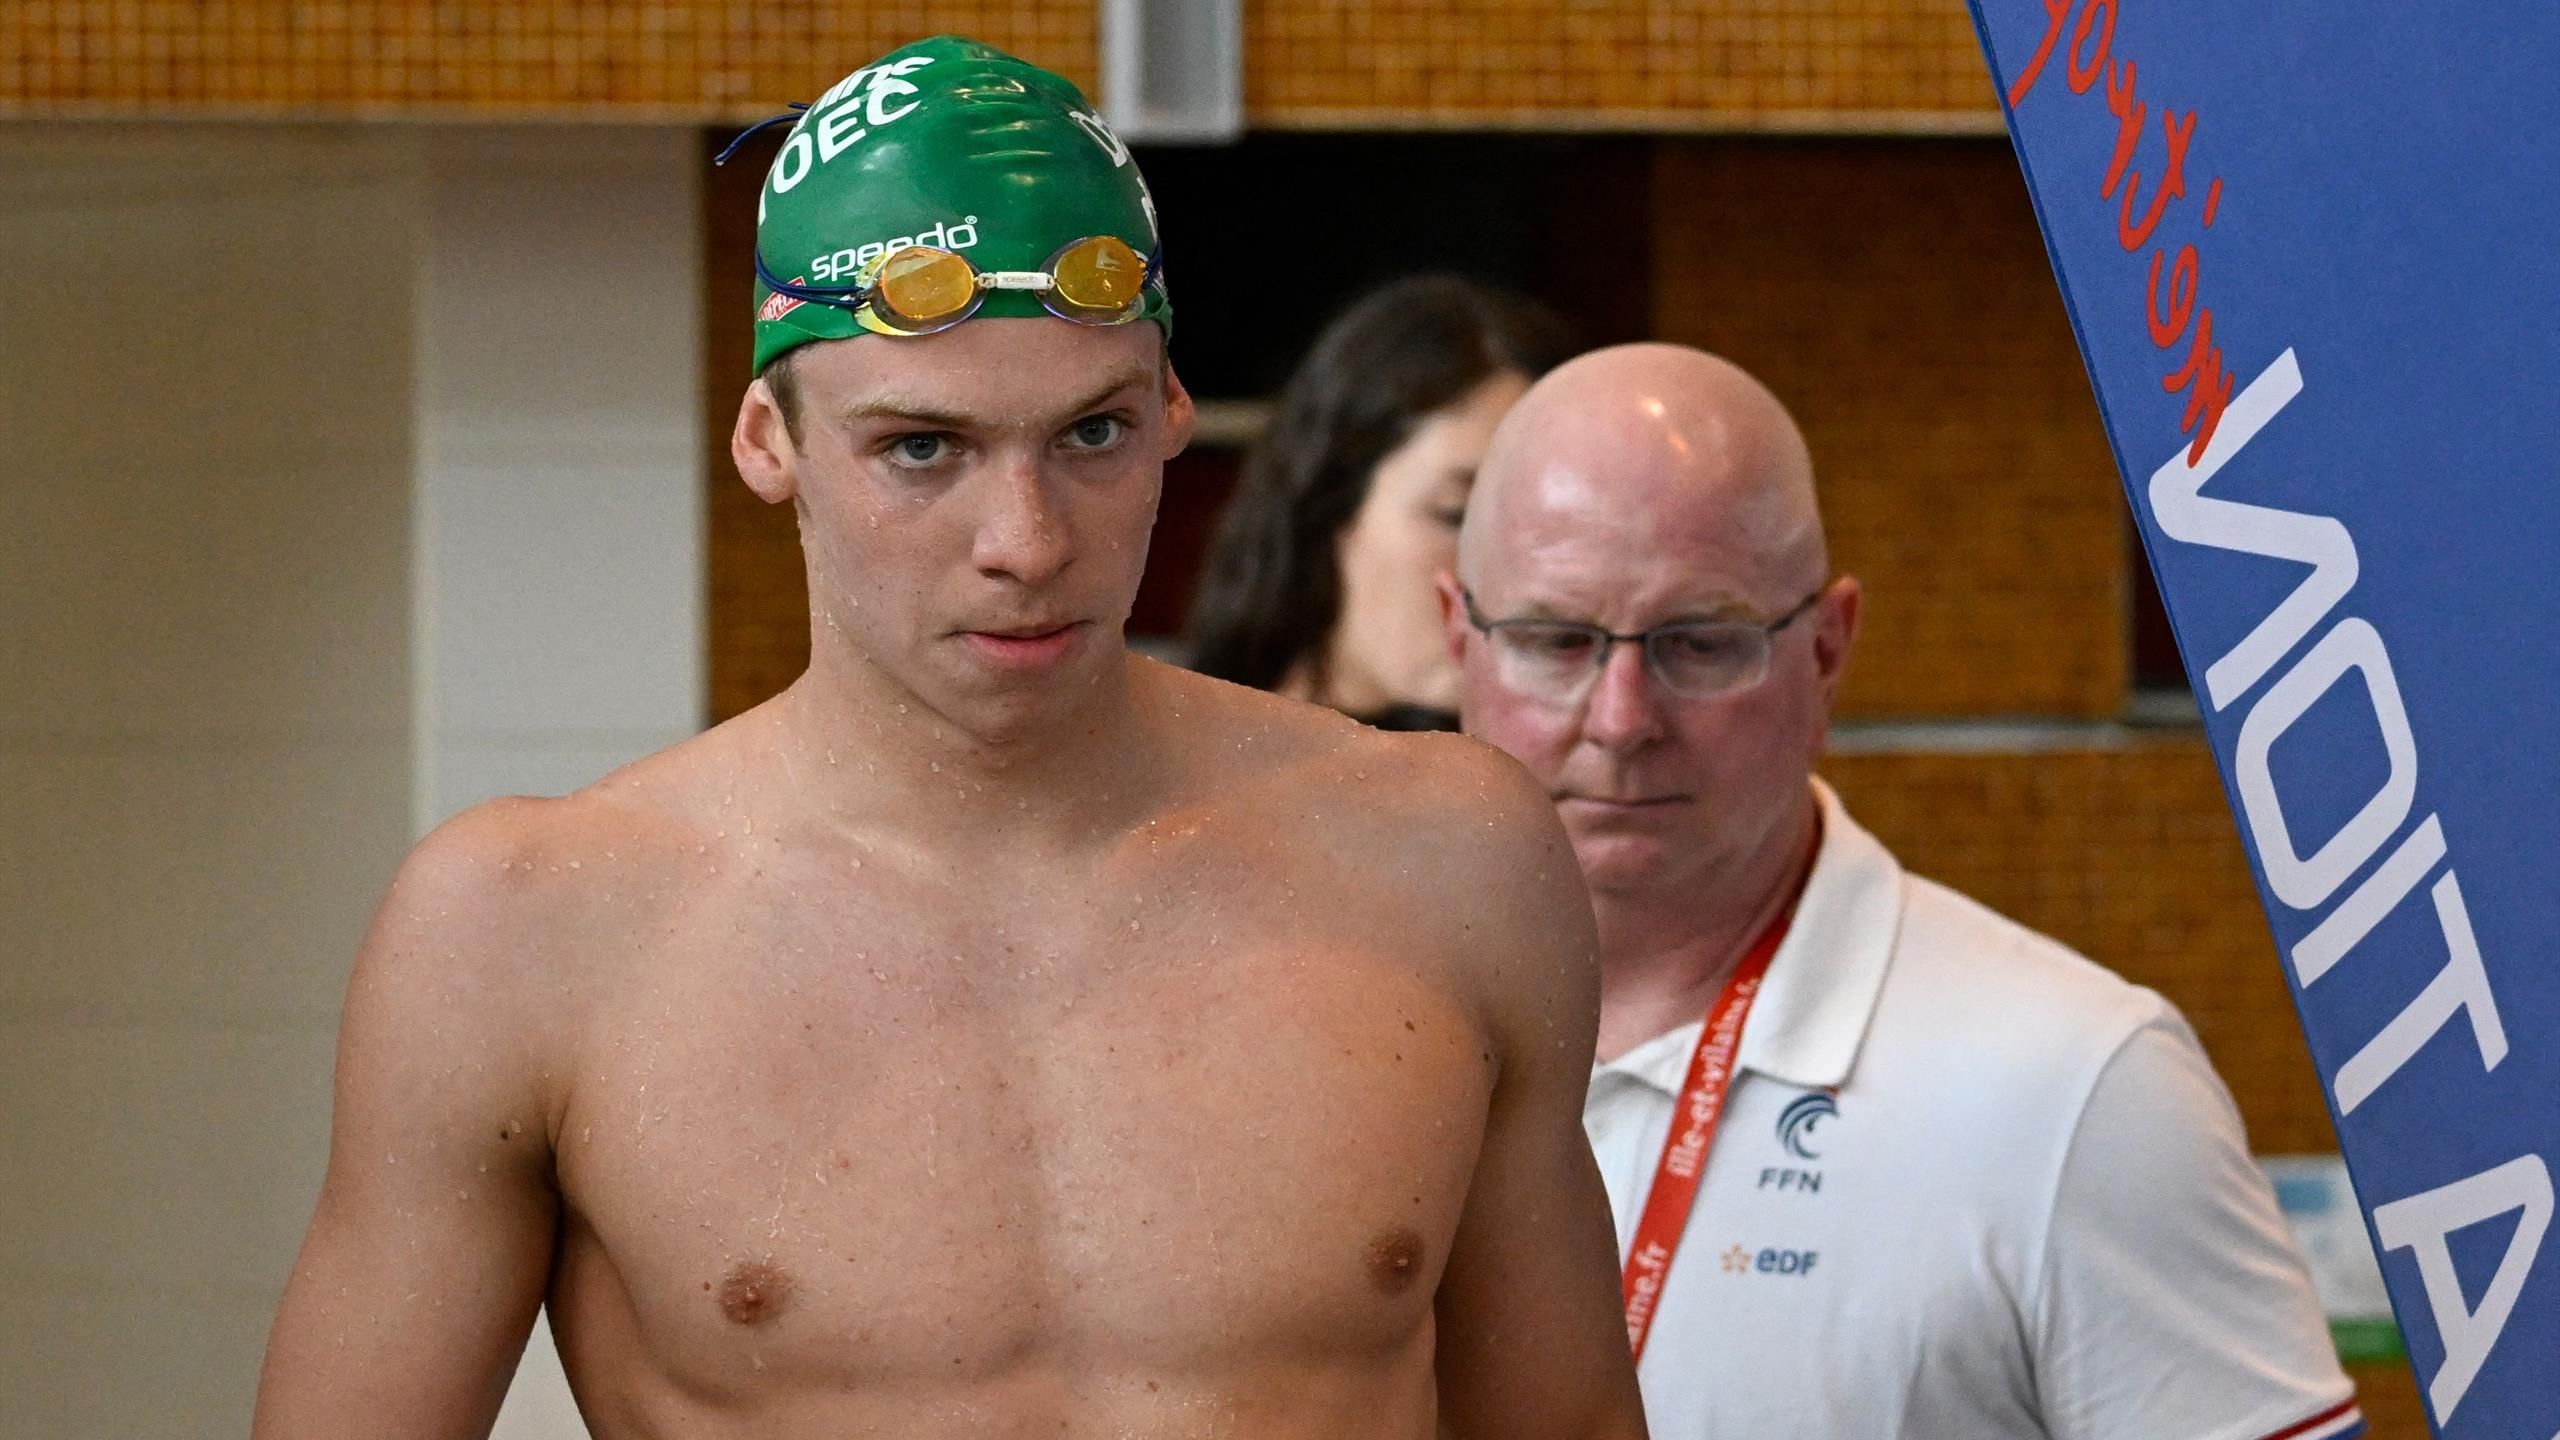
851, 261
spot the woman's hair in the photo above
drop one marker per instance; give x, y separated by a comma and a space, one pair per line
1271, 592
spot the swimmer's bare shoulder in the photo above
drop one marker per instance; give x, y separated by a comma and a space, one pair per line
1457, 854
431, 1244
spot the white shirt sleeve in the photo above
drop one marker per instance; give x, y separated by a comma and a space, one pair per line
2172, 1304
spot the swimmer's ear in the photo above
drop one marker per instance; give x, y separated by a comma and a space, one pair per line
1179, 414
762, 445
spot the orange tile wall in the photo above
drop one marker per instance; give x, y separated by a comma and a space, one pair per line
1652, 64
634, 59
1627, 64
1897, 297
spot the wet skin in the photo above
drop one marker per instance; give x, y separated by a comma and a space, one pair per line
995, 1034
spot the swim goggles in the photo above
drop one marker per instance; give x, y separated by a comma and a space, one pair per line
918, 289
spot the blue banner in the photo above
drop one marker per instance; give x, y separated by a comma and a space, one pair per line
2309, 250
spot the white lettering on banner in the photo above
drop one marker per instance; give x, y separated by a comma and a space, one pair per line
2422, 1223
2319, 541
2379, 895
2461, 987
2323, 543
2350, 645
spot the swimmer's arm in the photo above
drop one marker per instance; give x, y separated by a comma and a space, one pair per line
431, 1245
1532, 1337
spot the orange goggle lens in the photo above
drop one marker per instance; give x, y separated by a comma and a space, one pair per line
920, 288
1100, 278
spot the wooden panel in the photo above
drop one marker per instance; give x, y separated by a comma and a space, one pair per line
757, 611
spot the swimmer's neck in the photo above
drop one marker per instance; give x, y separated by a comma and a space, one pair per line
874, 752
1665, 954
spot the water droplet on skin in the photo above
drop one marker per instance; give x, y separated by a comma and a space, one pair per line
574, 865
937, 766
831, 757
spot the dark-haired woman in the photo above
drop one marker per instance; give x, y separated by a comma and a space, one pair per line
1320, 582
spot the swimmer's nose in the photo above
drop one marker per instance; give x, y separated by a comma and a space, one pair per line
1021, 534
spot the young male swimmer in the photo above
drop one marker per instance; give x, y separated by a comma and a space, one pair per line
996, 1033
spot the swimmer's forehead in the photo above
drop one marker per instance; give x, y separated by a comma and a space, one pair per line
976, 396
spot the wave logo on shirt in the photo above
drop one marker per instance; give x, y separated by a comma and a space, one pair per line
1800, 1119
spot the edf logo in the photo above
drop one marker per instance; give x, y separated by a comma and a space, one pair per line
1784, 1262
1769, 1260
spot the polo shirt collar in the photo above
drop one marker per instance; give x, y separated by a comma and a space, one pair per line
1813, 1010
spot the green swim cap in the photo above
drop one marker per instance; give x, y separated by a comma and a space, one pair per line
950, 144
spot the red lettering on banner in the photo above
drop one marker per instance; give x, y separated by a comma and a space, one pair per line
2055, 11
2211, 394
2082, 79
2165, 330
2087, 58
2173, 183
2129, 111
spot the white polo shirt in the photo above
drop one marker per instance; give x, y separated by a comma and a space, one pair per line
1968, 1186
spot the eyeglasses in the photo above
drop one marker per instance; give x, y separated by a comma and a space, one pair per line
1556, 660
918, 289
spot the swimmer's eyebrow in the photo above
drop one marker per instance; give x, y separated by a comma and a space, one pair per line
894, 407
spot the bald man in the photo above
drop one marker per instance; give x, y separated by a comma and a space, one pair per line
1933, 1175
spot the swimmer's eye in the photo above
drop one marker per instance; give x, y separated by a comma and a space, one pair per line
919, 451
1097, 432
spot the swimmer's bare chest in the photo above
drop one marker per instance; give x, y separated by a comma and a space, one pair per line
889, 1149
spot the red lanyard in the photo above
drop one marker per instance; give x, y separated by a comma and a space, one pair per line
1693, 1129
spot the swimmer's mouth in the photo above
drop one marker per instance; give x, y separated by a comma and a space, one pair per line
1025, 632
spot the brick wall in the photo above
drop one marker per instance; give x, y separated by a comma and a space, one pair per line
1651, 64
646, 60
1629, 64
